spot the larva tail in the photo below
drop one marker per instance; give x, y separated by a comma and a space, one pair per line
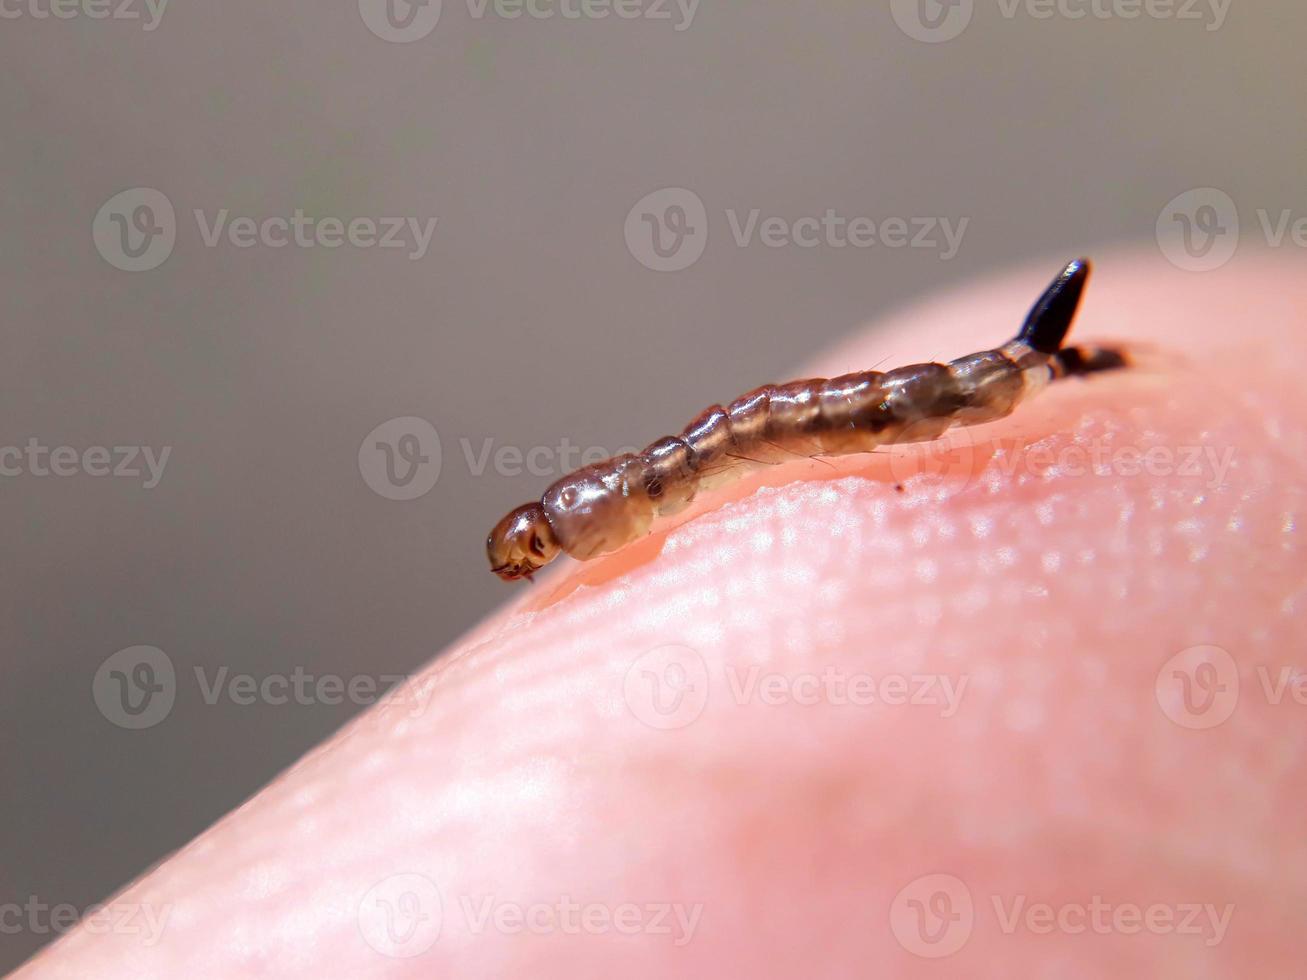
1073, 361
1049, 320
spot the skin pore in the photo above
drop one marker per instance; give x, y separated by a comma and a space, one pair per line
882, 676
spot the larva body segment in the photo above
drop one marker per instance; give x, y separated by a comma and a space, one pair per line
851, 411
603, 507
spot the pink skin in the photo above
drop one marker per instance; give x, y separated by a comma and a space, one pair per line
519, 767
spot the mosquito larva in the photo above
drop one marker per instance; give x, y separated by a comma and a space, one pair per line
602, 507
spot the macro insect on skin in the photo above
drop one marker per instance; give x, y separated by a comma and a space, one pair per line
602, 507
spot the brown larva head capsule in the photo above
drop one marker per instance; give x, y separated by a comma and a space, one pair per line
521, 543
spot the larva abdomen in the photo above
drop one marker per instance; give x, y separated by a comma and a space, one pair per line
852, 412
989, 386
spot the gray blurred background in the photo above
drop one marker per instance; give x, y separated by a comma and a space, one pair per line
276, 541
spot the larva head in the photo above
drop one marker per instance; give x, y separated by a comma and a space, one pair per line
521, 543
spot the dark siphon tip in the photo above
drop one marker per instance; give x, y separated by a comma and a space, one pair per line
1049, 320
1079, 361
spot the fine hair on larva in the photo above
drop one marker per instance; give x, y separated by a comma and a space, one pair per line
603, 507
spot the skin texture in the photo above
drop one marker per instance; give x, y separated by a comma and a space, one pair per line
528, 765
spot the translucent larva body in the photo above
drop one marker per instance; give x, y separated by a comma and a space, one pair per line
602, 507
